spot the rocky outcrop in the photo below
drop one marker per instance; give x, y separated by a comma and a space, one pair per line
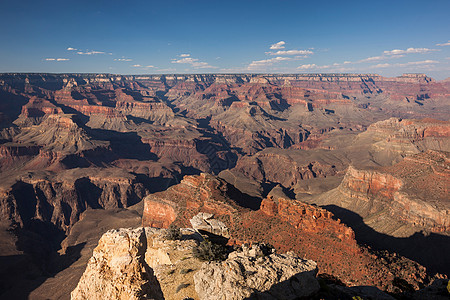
60, 199
59, 133
288, 167
423, 134
117, 269
287, 224
243, 276
205, 223
304, 216
142, 263
154, 111
414, 191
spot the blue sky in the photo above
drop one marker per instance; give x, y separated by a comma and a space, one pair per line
152, 37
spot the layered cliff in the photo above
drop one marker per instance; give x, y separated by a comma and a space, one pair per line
414, 191
64, 137
287, 224
59, 199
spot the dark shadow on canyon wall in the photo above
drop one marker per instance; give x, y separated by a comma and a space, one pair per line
430, 250
23, 273
282, 290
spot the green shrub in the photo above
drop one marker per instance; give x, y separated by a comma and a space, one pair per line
173, 233
208, 251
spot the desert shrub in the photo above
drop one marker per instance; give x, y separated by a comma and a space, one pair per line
208, 251
173, 233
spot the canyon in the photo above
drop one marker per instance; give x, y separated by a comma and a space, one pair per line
348, 170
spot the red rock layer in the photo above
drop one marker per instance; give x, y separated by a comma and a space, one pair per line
414, 191
287, 224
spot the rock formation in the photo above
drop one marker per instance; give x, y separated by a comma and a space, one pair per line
117, 269
70, 143
144, 263
287, 224
141, 263
243, 276
413, 191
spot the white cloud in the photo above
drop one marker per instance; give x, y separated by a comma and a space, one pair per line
71, 49
381, 57
444, 44
266, 62
408, 64
57, 59
307, 67
291, 52
415, 63
186, 60
143, 67
185, 55
279, 45
91, 52
123, 59
194, 62
408, 51
373, 58
312, 66
386, 65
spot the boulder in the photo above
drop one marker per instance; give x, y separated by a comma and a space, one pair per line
247, 275
205, 223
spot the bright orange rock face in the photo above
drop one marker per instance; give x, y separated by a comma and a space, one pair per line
287, 224
158, 214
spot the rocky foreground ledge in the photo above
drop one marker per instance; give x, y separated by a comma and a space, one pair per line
149, 263
143, 263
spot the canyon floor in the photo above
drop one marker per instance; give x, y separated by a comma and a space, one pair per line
349, 170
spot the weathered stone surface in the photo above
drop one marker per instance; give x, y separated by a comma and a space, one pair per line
142, 264
117, 269
244, 276
205, 222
